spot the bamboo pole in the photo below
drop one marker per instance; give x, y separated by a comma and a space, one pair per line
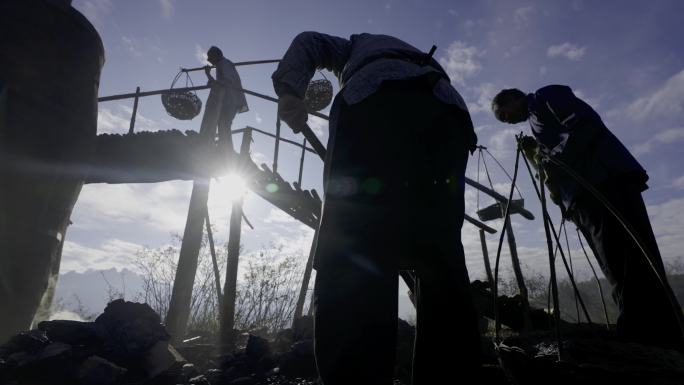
485, 255
299, 308
517, 271
181, 296
131, 126
227, 337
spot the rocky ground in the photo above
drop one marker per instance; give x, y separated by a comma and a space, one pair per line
127, 344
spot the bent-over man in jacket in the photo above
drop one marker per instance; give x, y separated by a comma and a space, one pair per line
568, 129
394, 182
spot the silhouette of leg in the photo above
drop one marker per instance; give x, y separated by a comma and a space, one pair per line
355, 320
646, 315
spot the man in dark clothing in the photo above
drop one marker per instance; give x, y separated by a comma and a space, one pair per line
568, 129
234, 101
394, 181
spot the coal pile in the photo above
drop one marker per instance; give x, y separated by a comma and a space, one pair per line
125, 344
589, 357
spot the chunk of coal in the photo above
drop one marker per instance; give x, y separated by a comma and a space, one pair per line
32, 341
98, 371
257, 348
72, 332
299, 361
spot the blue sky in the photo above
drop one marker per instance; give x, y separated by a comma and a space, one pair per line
623, 57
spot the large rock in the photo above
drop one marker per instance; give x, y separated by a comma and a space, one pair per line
131, 331
98, 371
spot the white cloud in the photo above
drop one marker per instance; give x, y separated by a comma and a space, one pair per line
110, 122
318, 126
113, 253
485, 93
260, 157
577, 5
201, 54
567, 50
95, 10
522, 15
279, 216
257, 118
503, 142
167, 8
668, 222
117, 120
158, 206
679, 183
667, 101
461, 61
669, 136
131, 45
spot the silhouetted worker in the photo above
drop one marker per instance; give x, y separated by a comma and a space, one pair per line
570, 130
394, 181
234, 101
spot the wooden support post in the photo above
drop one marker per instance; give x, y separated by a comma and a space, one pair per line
214, 262
277, 146
227, 338
131, 127
301, 163
299, 308
485, 255
181, 295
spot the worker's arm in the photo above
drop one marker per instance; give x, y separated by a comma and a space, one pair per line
229, 75
579, 123
308, 52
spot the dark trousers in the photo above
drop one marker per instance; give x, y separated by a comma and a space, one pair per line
394, 200
225, 124
646, 315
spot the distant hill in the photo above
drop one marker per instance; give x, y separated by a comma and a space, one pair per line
87, 293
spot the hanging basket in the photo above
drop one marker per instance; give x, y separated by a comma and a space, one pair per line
182, 105
318, 95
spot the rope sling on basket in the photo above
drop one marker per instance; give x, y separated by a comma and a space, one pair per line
182, 105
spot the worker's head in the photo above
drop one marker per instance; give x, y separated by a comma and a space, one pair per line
214, 54
510, 106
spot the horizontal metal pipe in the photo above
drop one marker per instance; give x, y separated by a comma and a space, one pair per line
196, 88
237, 64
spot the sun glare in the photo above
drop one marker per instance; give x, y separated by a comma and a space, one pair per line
229, 187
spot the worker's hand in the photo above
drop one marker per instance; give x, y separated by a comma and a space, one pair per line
207, 70
292, 110
528, 144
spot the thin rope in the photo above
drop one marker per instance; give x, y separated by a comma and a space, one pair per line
556, 237
572, 270
552, 268
598, 281
479, 158
504, 170
507, 213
